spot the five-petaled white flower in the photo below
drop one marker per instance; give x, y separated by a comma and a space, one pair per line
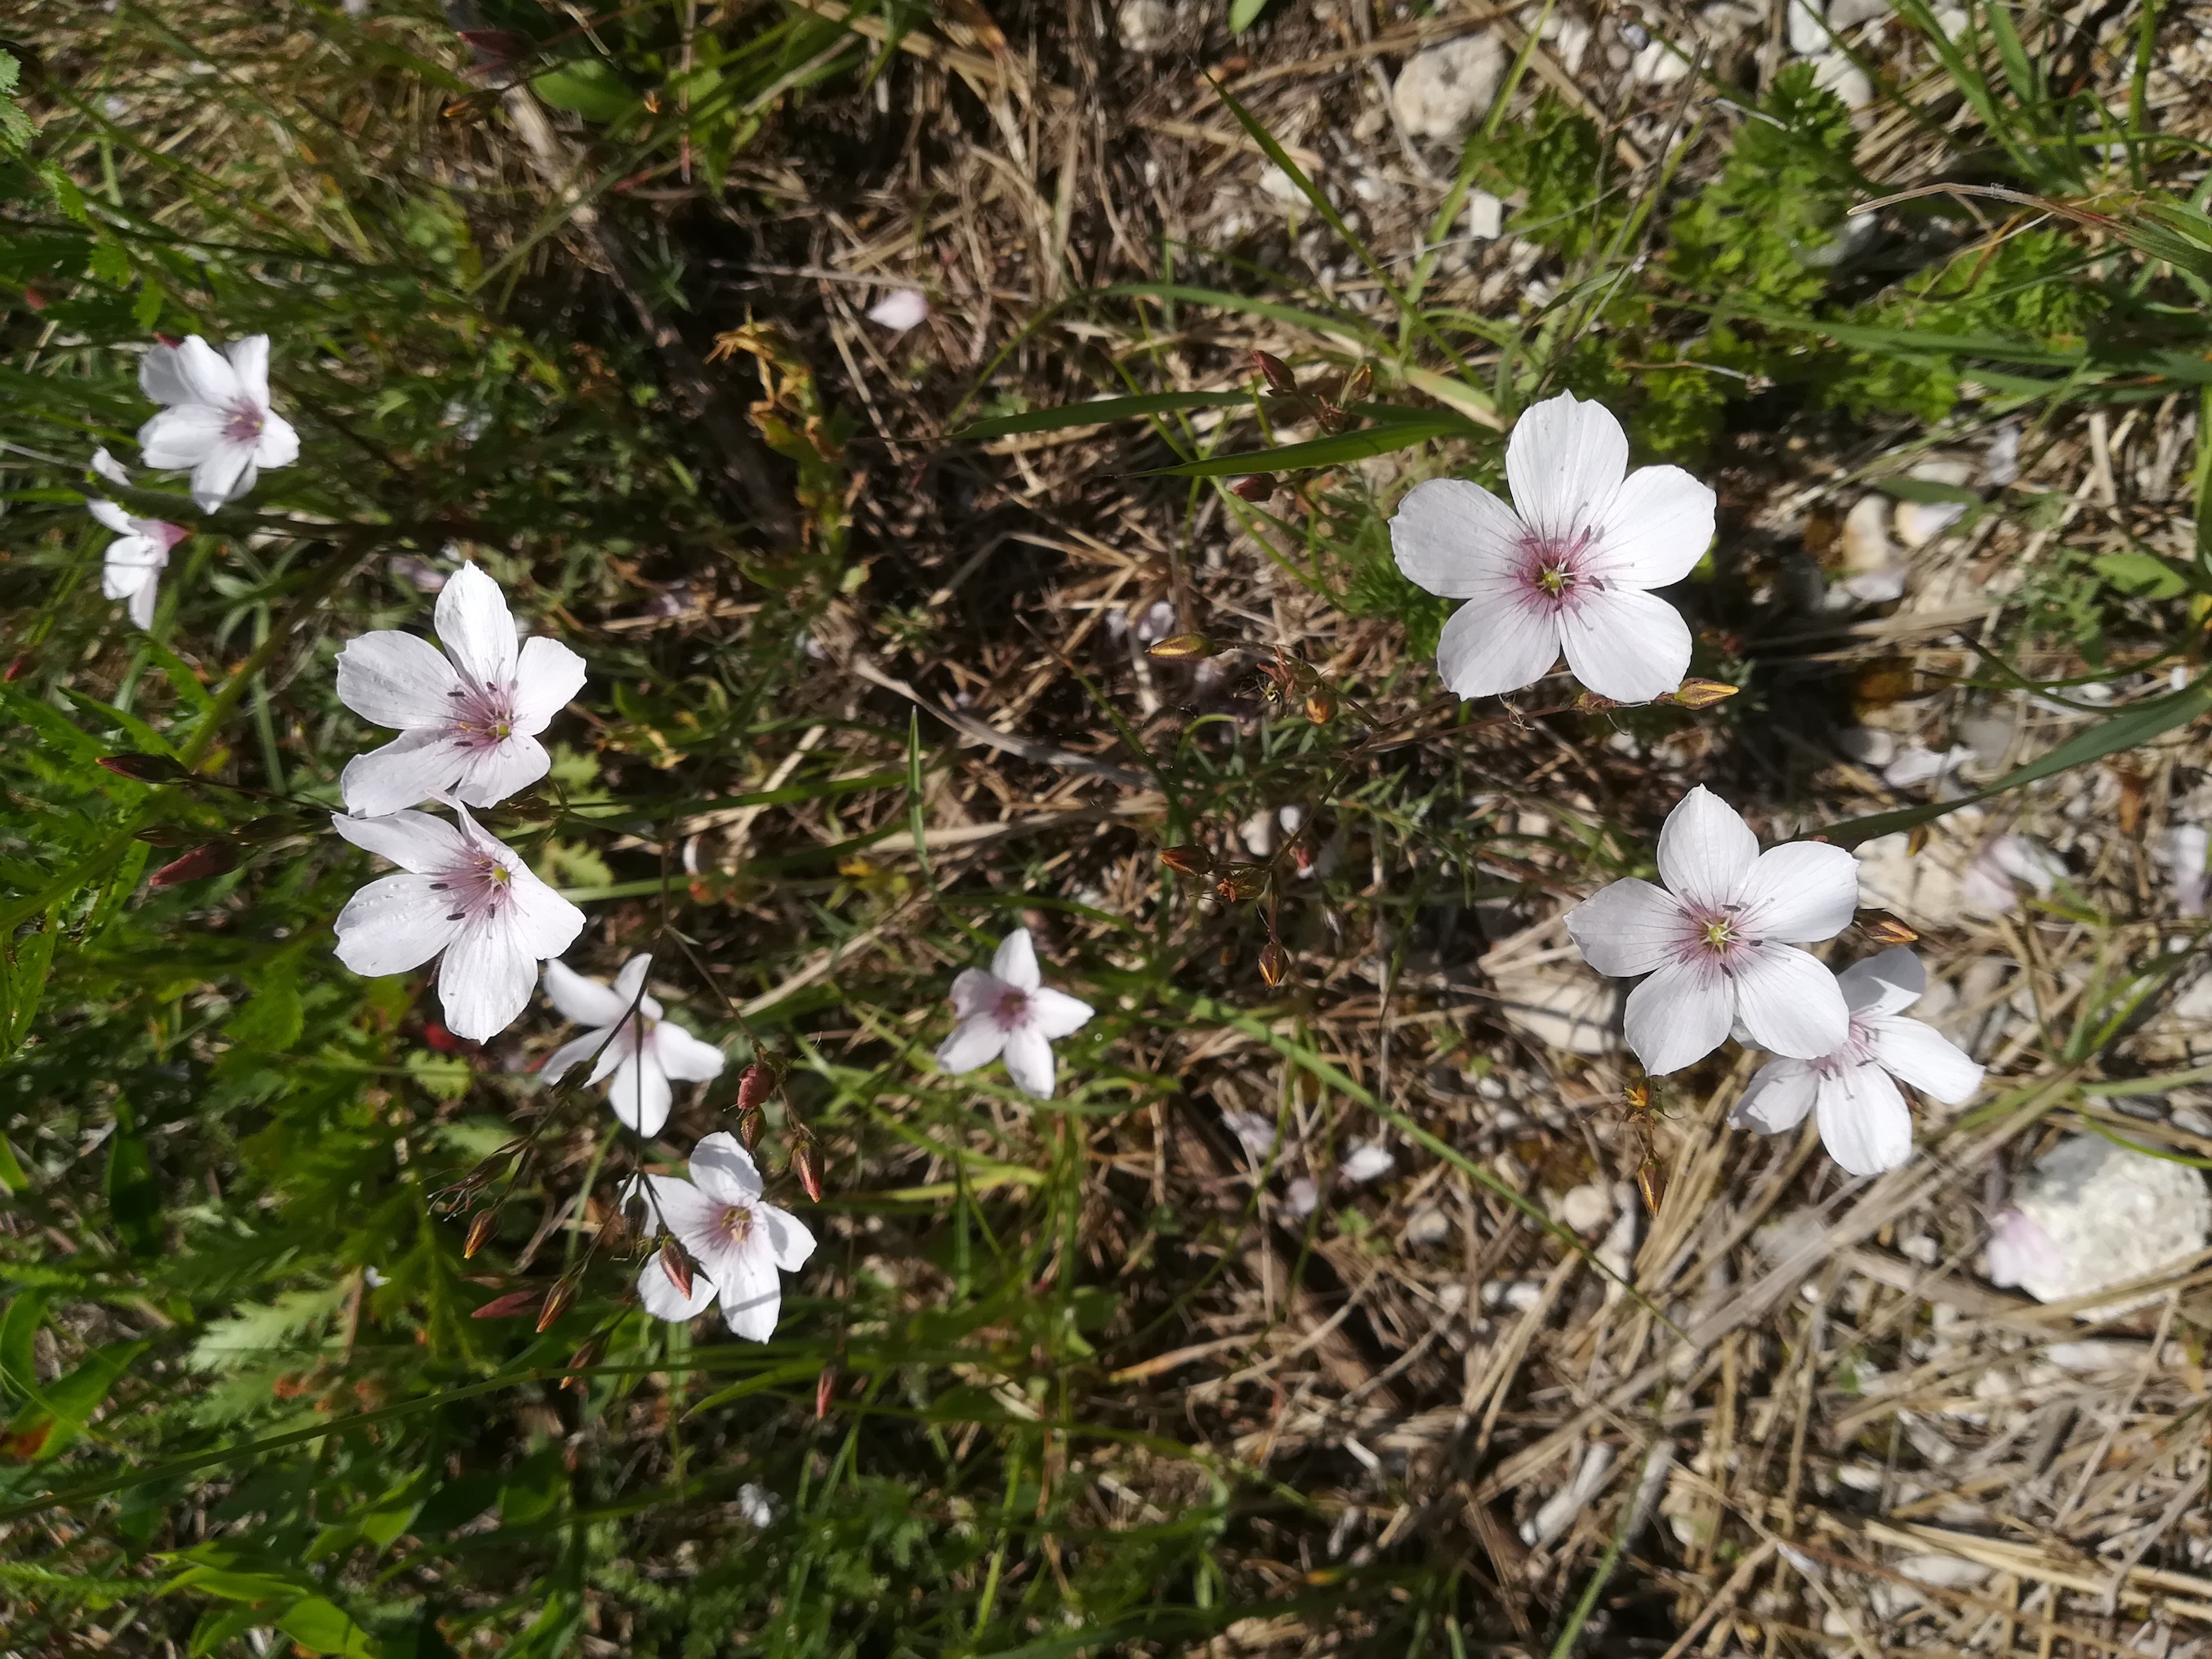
1864, 1122
218, 421
469, 716
462, 893
1010, 1011
1717, 940
132, 566
1566, 567
636, 1065
739, 1241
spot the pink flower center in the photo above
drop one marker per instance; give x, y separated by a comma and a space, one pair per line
1713, 935
1011, 1011
733, 1225
482, 888
163, 532
244, 426
1857, 1051
1555, 569
483, 715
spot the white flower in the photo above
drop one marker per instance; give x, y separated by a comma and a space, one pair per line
1009, 1010
1370, 1160
1717, 939
469, 716
636, 1068
900, 310
218, 421
739, 1241
465, 894
2021, 1251
1864, 1122
1565, 566
133, 563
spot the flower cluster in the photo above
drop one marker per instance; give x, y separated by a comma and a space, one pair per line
1717, 944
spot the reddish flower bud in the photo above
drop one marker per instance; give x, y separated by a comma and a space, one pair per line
756, 1083
506, 1307
1256, 488
824, 1386
557, 1301
678, 1270
1190, 859
1274, 370
215, 858
36, 301
144, 769
1181, 647
583, 1359
480, 1231
807, 1164
752, 1123
1274, 963
15, 668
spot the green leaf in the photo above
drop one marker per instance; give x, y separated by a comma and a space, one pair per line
1378, 439
2143, 575
322, 1626
134, 1198
23, 965
446, 1076
12, 1175
587, 87
1243, 14
47, 1427
272, 1019
19, 1333
1098, 412
261, 1332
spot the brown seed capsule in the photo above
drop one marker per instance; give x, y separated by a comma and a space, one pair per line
1240, 882
1321, 706
755, 1084
479, 1233
1274, 371
1257, 488
557, 1301
1274, 963
752, 1123
144, 769
215, 858
677, 1269
1703, 694
583, 1359
1190, 859
1181, 647
807, 1164
1890, 930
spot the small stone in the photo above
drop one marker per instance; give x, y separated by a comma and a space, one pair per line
1915, 766
1869, 745
1146, 26
1258, 832
1277, 184
1429, 1225
1865, 540
1369, 1161
1849, 14
1445, 89
1808, 32
1837, 74
1923, 887
1585, 1208
1990, 736
1566, 1008
2113, 1215
1918, 523
1485, 215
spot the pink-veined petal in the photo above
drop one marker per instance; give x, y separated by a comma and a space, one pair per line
1678, 1016
724, 1170
476, 627
277, 446
753, 1292
976, 1041
1625, 644
1455, 539
206, 376
976, 992
1028, 1061
1863, 1121
1706, 850
182, 437
485, 981
414, 767
1789, 1002
572, 1054
1491, 646
1802, 891
1015, 963
686, 1058
638, 1091
587, 1001
1886, 983
1055, 1014
1655, 529
787, 1237
249, 362
393, 924
413, 841
1627, 927
1778, 1097
221, 476
1563, 462
543, 923
395, 679
657, 1291
1926, 1059
548, 676
489, 776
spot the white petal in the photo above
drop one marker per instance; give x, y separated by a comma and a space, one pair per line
489, 776
543, 922
112, 516
1706, 850
1053, 1014
393, 924
724, 1170
395, 679
1926, 1059
620, 1043
900, 310
160, 377
249, 361
1655, 529
413, 841
976, 1041
1628, 927
975, 991
1678, 1016
1455, 539
787, 1235
1889, 983
1802, 891
141, 609
639, 1094
573, 1052
109, 468
1779, 1095
629, 985
476, 627
1016, 963
685, 1057
208, 377
1028, 1061
548, 676
657, 1291
181, 437
486, 979
752, 1294
1563, 462
220, 477
277, 446
1496, 644
1789, 1002
583, 1000
1625, 644
413, 768
130, 564
1863, 1121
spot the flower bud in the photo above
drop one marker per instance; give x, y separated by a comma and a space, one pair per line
755, 1084
1703, 694
752, 1123
1274, 963
677, 1269
1189, 859
486, 1172
1256, 488
1590, 703
1356, 385
144, 769
1890, 930
273, 826
479, 1233
215, 858
169, 835
557, 1301
1321, 705
824, 1386
1181, 647
807, 1164
583, 1359
1242, 881
1274, 371
506, 1307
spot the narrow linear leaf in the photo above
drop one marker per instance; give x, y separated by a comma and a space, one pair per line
1098, 412
1378, 439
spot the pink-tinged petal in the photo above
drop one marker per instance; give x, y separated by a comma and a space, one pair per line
684, 1057
1655, 529
640, 1095
2022, 1252
1778, 1097
548, 676
111, 515
1563, 462
1455, 539
543, 923
393, 924
489, 776
724, 1170
249, 362
1926, 1059
1628, 927
1863, 1121
1016, 963
1802, 891
395, 679
787, 1237
976, 1040
975, 991
1625, 644
182, 437
570, 1055
1678, 1016
485, 981
161, 379
207, 376
476, 627
658, 1292
221, 476
1028, 1061
587, 1001
752, 1294
1494, 645
413, 768
1888, 983
1706, 850
277, 446
413, 841
1055, 1014
1789, 1002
